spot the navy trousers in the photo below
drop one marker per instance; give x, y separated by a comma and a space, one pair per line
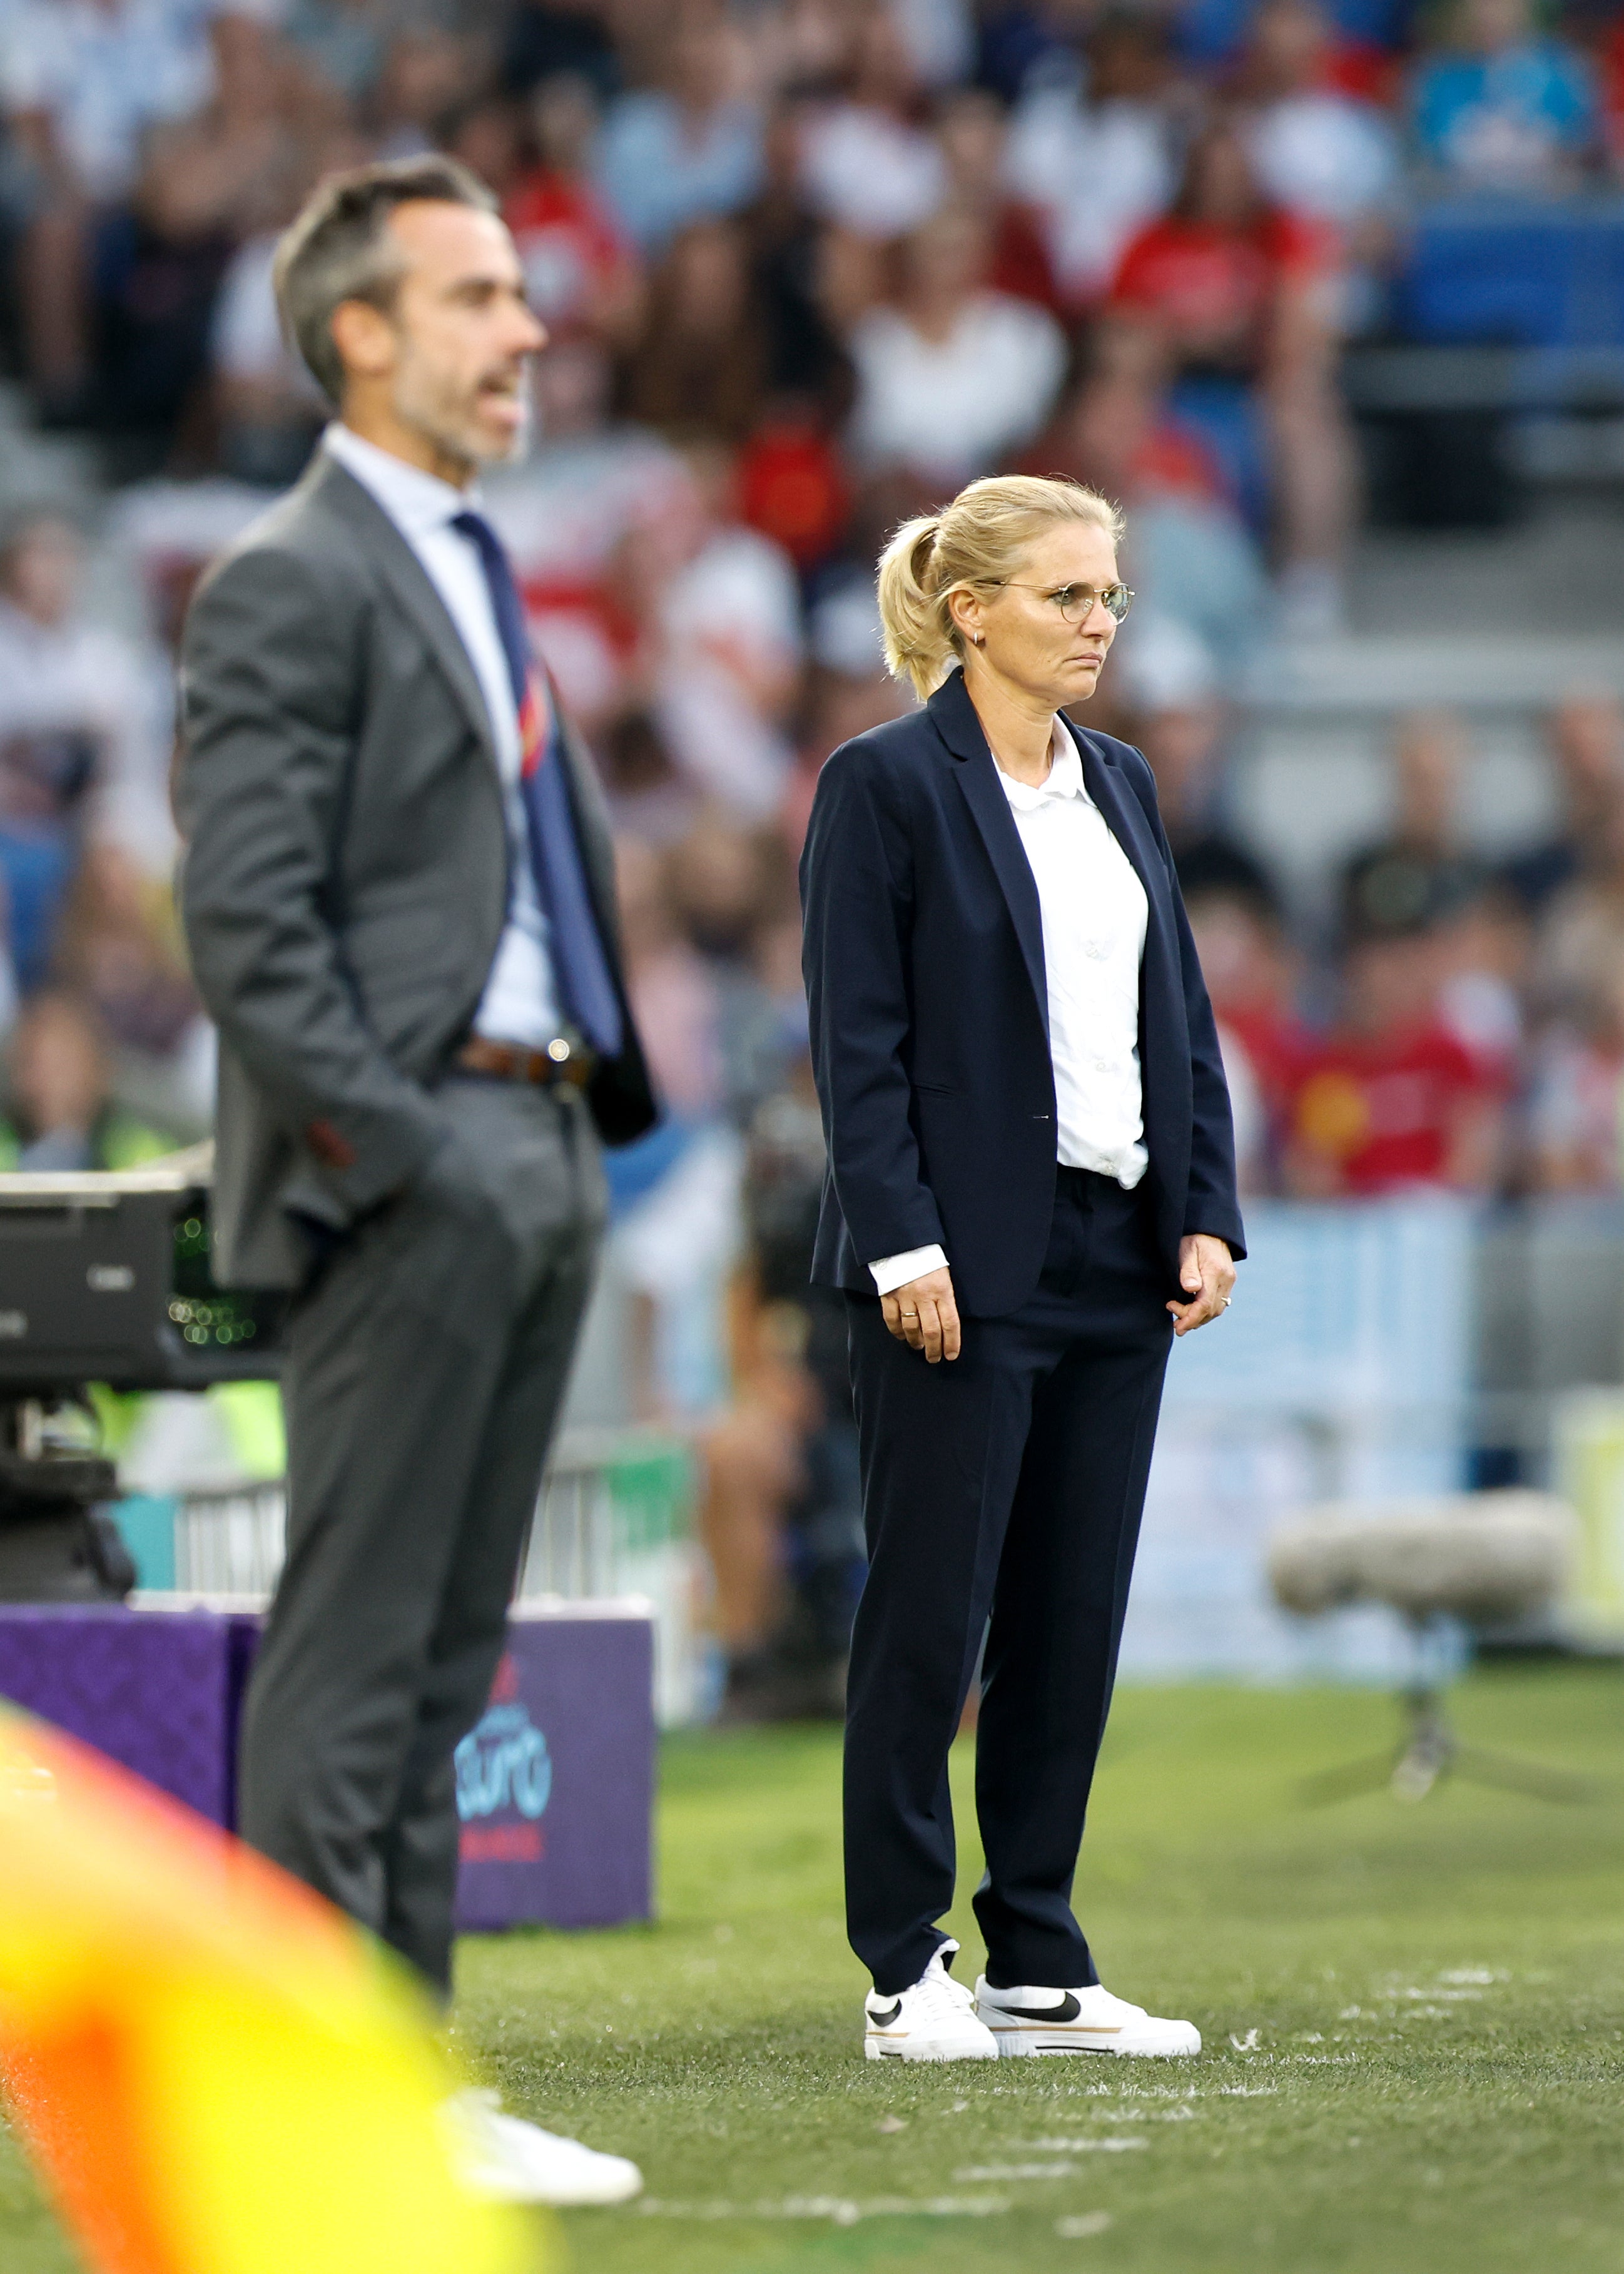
1002, 1496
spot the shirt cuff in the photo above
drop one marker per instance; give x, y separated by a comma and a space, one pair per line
894, 1271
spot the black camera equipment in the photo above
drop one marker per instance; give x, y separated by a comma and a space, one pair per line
104, 1277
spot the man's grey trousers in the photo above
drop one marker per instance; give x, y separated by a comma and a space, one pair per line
425, 1367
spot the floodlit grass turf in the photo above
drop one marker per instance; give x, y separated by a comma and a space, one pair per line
1414, 2020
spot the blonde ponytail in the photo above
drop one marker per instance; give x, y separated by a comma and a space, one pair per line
977, 539
914, 623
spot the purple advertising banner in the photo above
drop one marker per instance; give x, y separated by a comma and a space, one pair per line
158, 1691
555, 1785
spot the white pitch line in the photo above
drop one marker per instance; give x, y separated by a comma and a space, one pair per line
841, 2209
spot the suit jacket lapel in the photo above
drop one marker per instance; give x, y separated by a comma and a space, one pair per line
410, 584
977, 776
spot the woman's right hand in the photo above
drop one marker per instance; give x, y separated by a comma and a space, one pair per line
923, 1314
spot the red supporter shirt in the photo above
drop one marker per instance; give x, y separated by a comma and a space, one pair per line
792, 486
1612, 91
1020, 264
1275, 1044
1206, 284
568, 245
1385, 1110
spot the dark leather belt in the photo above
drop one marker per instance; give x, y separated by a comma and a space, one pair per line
561, 1061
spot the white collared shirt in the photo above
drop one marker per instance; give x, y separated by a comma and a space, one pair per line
1094, 914
520, 1003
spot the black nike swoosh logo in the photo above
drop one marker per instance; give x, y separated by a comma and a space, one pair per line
1067, 2010
884, 2021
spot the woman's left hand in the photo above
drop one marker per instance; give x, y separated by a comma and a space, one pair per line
1206, 1273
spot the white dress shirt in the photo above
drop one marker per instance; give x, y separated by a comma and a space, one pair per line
1094, 915
520, 1003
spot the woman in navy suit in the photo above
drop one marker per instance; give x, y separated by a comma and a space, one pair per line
1031, 1191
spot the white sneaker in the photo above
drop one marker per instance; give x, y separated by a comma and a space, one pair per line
1038, 2020
510, 2161
934, 2021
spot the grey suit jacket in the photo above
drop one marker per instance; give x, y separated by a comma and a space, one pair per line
345, 878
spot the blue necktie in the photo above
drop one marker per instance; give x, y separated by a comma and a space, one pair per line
581, 968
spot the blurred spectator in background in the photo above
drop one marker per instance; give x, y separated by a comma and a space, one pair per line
1180, 721
60, 1114
1091, 149
941, 38
580, 269
672, 984
1503, 106
717, 625
1195, 563
1576, 1106
1606, 29
267, 409
427, 72
726, 643
229, 173
782, 1516
83, 749
689, 149
487, 134
1318, 151
869, 164
806, 360
1580, 944
1233, 292
848, 689
676, 1191
548, 38
972, 135
650, 803
1388, 1100
1481, 997
122, 953
701, 367
573, 517
1240, 935
341, 43
1417, 869
1585, 737
1420, 874
1181, 732
82, 81
951, 377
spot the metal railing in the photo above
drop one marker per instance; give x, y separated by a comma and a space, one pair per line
612, 1522
231, 1543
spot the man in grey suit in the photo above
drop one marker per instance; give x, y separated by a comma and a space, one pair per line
398, 891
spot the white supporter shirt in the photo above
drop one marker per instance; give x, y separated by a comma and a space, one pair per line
952, 407
1094, 915
520, 1003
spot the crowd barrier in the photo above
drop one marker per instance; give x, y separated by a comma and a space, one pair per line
1404, 1347
1401, 1347
612, 1524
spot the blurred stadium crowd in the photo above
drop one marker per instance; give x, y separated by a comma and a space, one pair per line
807, 265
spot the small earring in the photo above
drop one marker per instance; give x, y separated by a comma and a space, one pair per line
979, 639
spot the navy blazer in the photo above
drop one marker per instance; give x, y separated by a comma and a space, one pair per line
929, 1010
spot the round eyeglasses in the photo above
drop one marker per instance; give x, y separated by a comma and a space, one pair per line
1076, 602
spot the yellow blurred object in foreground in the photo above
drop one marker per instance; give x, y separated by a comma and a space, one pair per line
217, 2073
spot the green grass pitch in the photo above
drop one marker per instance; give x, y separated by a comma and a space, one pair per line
1414, 2021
